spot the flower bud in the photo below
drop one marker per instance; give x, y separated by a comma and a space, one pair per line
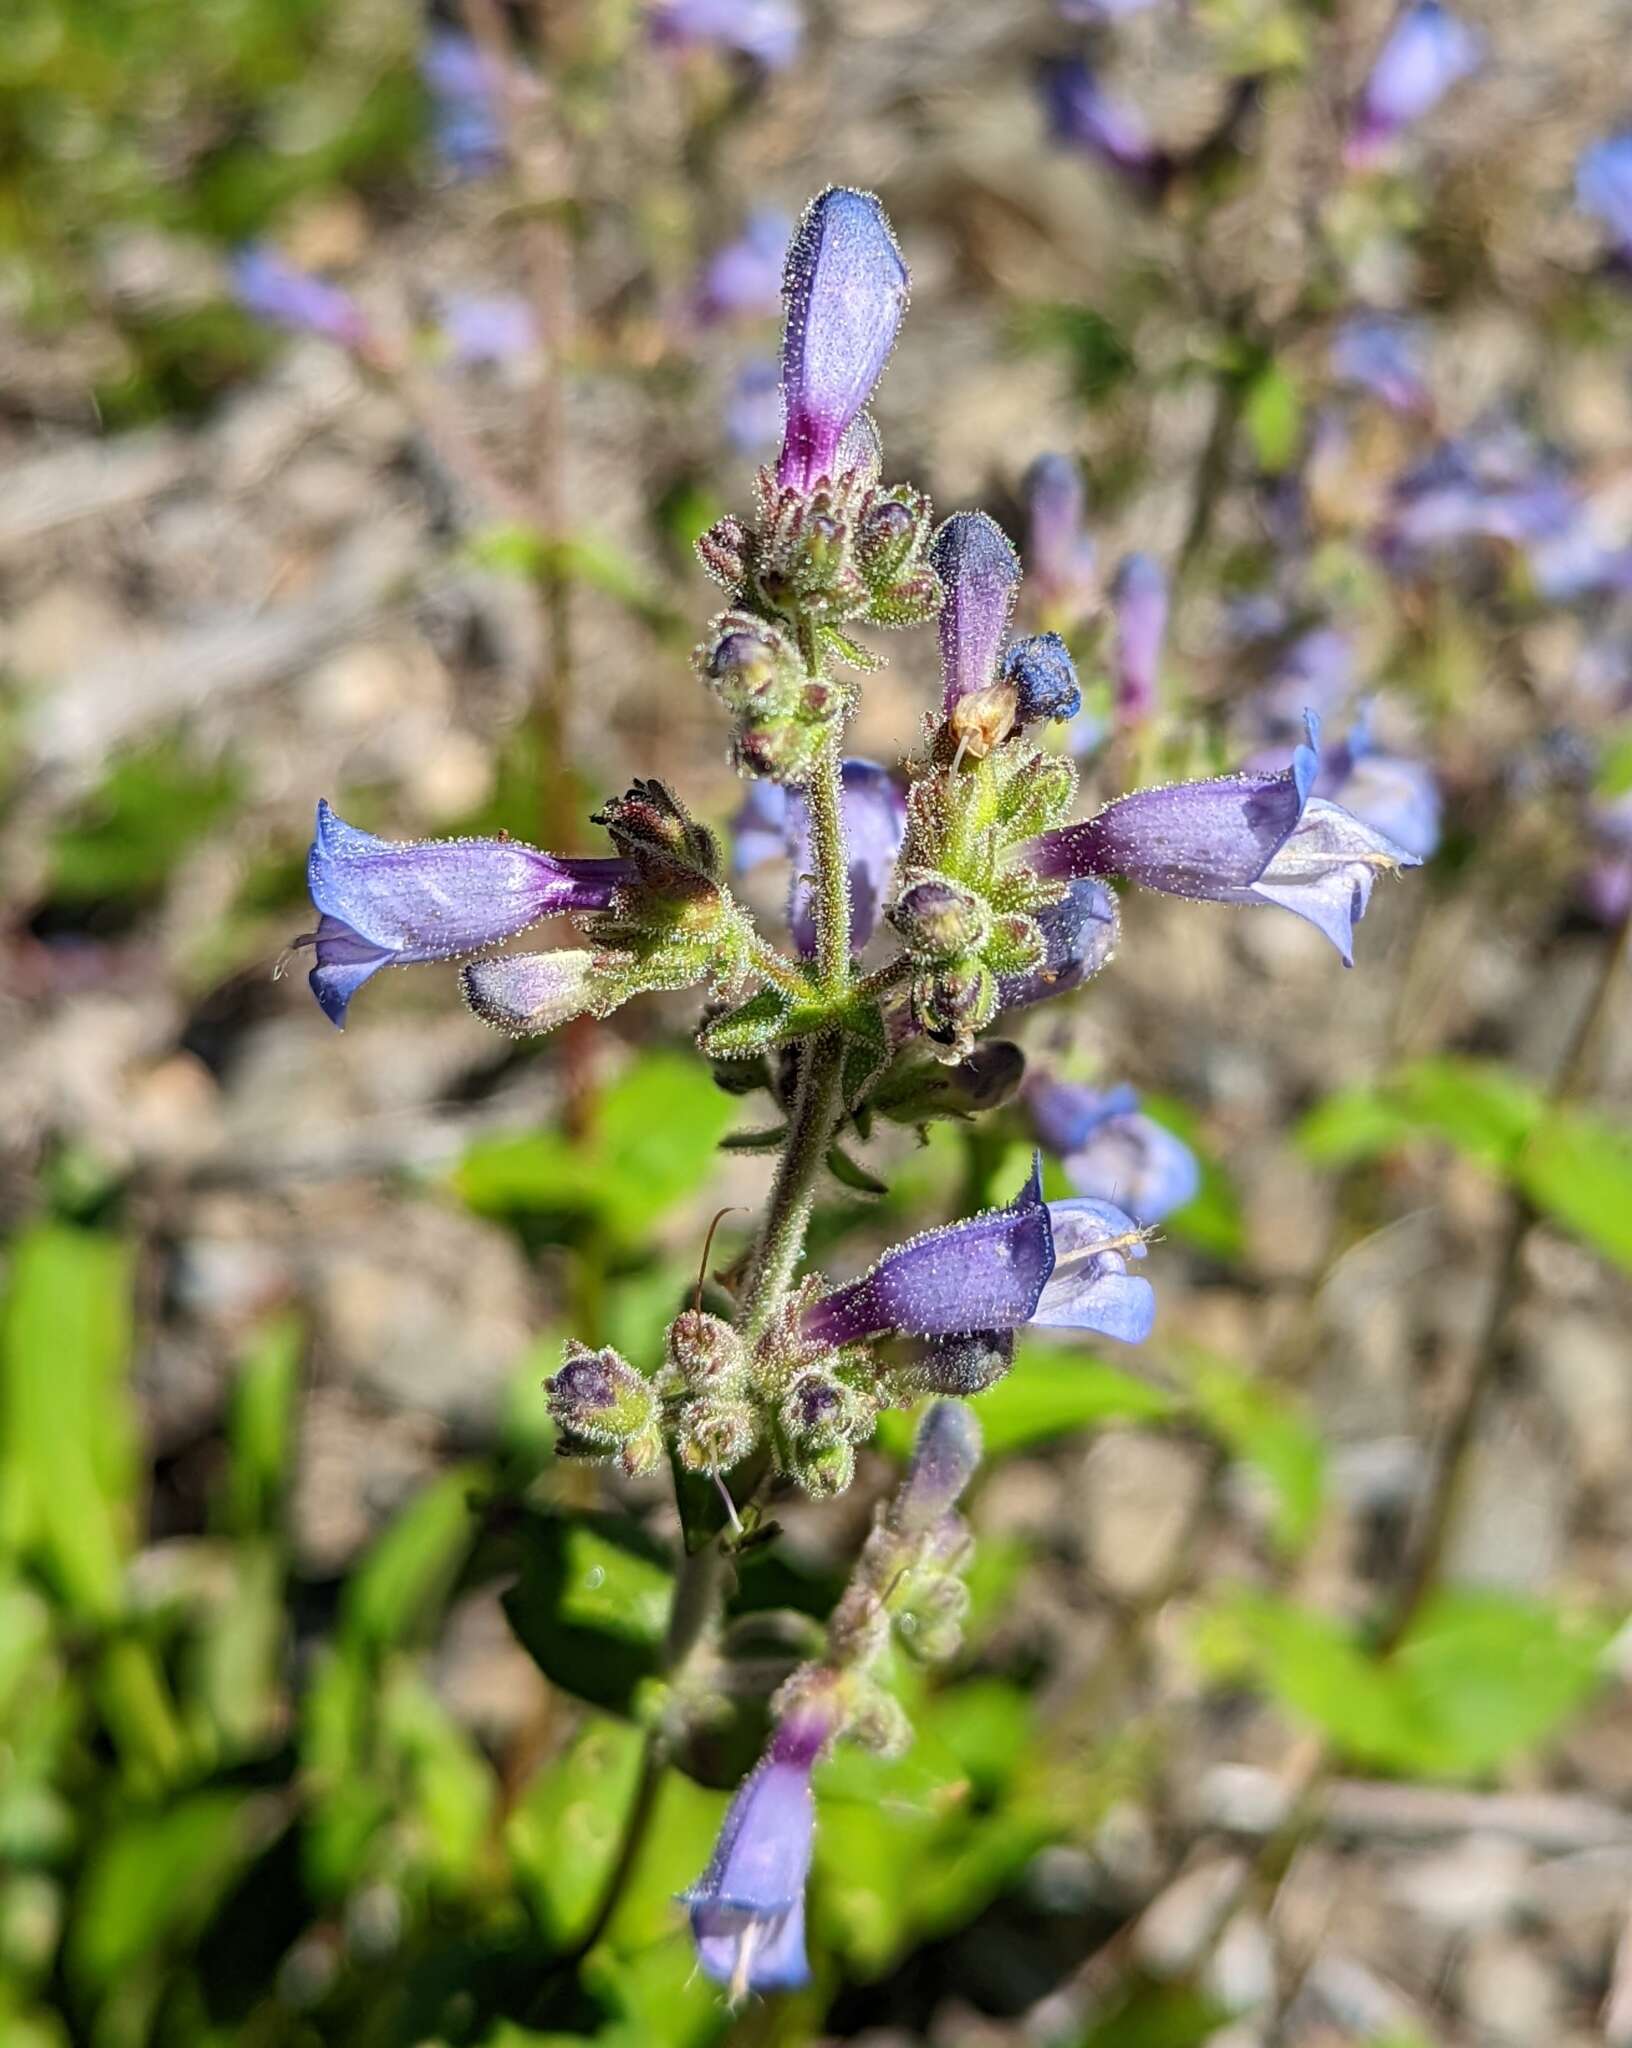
650, 827
930, 1620
819, 1411
598, 1401
705, 1352
980, 573
945, 1454
523, 993
752, 664
939, 919
713, 1433
726, 550
845, 288
781, 751
950, 1004
825, 1472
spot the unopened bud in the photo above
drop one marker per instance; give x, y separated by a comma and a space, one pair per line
939, 919
950, 1004
725, 550
706, 1353
650, 826
929, 1622
826, 1472
751, 663
818, 1411
945, 1456
781, 750
599, 1400
714, 1433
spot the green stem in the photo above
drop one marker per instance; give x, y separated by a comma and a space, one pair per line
810, 1132
831, 861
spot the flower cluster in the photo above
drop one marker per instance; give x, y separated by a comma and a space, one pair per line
963, 872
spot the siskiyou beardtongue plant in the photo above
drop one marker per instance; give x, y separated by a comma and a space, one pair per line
980, 899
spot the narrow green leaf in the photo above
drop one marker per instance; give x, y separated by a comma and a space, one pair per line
398, 1592
1053, 1391
67, 1445
1262, 1426
1578, 1170
260, 1427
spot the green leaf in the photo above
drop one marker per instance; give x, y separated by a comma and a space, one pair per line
590, 1605
260, 1428
1480, 1679
1261, 1425
398, 1592
1151, 2014
1099, 359
653, 1141
1352, 1126
564, 1831
67, 1442
749, 1029
849, 1173
451, 1790
1577, 1169
1053, 1391
1491, 1676
1615, 766
1272, 415
151, 806
155, 1880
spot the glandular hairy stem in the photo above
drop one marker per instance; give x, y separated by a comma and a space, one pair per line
810, 1132
830, 860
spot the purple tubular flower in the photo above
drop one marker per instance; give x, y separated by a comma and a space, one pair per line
1252, 838
774, 823
1386, 357
464, 91
1059, 1265
1079, 936
1084, 115
1427, 51
748, 1907
845, 289
1140, 599
1603, 188
1110, 1152
980, 573
1060, 559
743, 280
270, 288
767, 32
390, 903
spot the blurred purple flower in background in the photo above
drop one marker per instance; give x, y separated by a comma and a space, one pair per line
774, 824
1493, 483
1426, 52
1094, 11
1386, 356
1061, 573
768, 32
748, 1907
464, 87
846, 289
482, 329
1084, 115
271, 288
1109, 1150
1054, 1265
753, 408
395, 903
1606, 885
1603, 188
743, 279
1248, 839
1139, 601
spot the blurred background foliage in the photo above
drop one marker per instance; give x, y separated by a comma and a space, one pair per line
321, 1679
